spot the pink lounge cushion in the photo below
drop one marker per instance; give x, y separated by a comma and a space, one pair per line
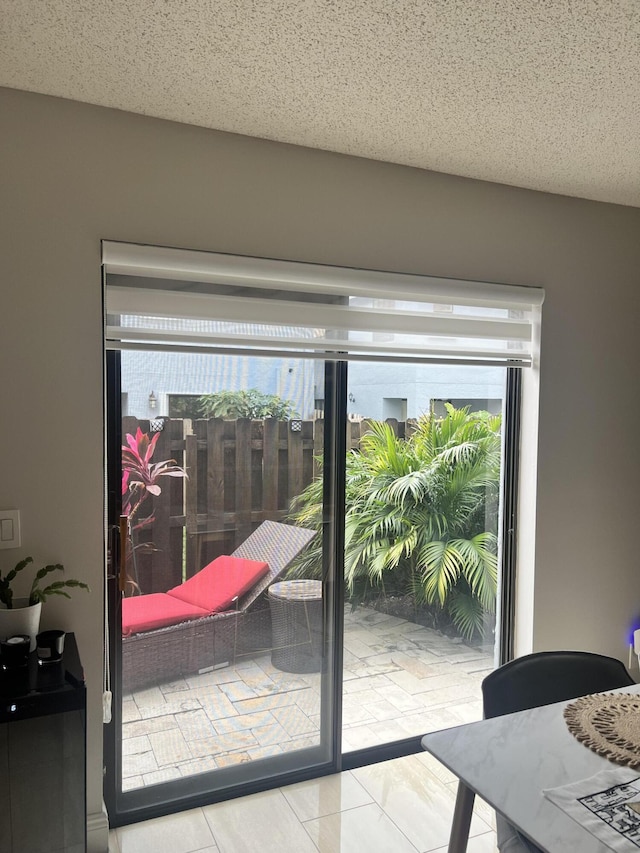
156, 610
216, 586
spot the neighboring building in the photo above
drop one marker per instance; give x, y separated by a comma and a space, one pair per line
390, 391
375, 390
165, 374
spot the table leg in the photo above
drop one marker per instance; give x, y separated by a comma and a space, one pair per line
461, 819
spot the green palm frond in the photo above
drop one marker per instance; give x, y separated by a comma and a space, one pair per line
466, 612
480, 567
440, 566
413, 487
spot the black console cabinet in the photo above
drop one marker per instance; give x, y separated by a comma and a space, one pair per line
42, 756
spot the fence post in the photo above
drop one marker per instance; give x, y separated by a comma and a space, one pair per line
163, 574
270, 466
191, 503
294, 461
318, 446
215, 472
307, 453
243, 478
353, 435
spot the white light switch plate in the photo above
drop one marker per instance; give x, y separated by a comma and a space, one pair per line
10, 528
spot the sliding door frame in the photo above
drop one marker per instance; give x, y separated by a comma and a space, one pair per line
155, 801
126, 807
505, 605
112, 765
512, 421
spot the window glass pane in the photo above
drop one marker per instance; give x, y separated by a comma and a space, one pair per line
423, 476
225, 654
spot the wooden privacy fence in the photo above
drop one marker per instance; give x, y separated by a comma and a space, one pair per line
240, 473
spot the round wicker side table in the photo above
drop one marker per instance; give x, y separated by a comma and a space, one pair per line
296, 624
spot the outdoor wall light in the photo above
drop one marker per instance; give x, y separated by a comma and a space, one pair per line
153, 401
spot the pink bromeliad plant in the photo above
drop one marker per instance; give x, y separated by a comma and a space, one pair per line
140, 478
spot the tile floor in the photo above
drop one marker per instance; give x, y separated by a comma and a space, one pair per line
400, 679
404, 806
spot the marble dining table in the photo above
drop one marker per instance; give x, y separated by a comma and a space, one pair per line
509, 761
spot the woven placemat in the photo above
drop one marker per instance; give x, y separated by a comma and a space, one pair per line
609, 724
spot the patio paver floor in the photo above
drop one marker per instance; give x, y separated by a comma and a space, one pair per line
400, 679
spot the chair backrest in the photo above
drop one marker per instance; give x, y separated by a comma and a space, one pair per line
546, 677
276, 544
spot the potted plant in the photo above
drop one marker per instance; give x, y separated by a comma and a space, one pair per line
22, 615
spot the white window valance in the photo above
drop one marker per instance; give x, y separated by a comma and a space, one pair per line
179, 300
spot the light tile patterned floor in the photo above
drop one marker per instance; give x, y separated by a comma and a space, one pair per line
404, 806
400, 679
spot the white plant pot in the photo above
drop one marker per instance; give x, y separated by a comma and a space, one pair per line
23, 618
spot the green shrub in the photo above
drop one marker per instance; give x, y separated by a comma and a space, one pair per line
245, 404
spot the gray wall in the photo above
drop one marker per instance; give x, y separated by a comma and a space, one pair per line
73, 174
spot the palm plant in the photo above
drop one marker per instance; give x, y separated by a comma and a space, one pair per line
421, 514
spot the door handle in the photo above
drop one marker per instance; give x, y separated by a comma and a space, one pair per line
122, 574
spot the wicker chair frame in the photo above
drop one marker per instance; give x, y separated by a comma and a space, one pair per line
166, 654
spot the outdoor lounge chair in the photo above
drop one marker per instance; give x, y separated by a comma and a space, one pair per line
213, 617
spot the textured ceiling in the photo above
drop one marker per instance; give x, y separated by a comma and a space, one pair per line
537, 93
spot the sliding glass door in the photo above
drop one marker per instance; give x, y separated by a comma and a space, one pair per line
423, 473
308, 472
224, 651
